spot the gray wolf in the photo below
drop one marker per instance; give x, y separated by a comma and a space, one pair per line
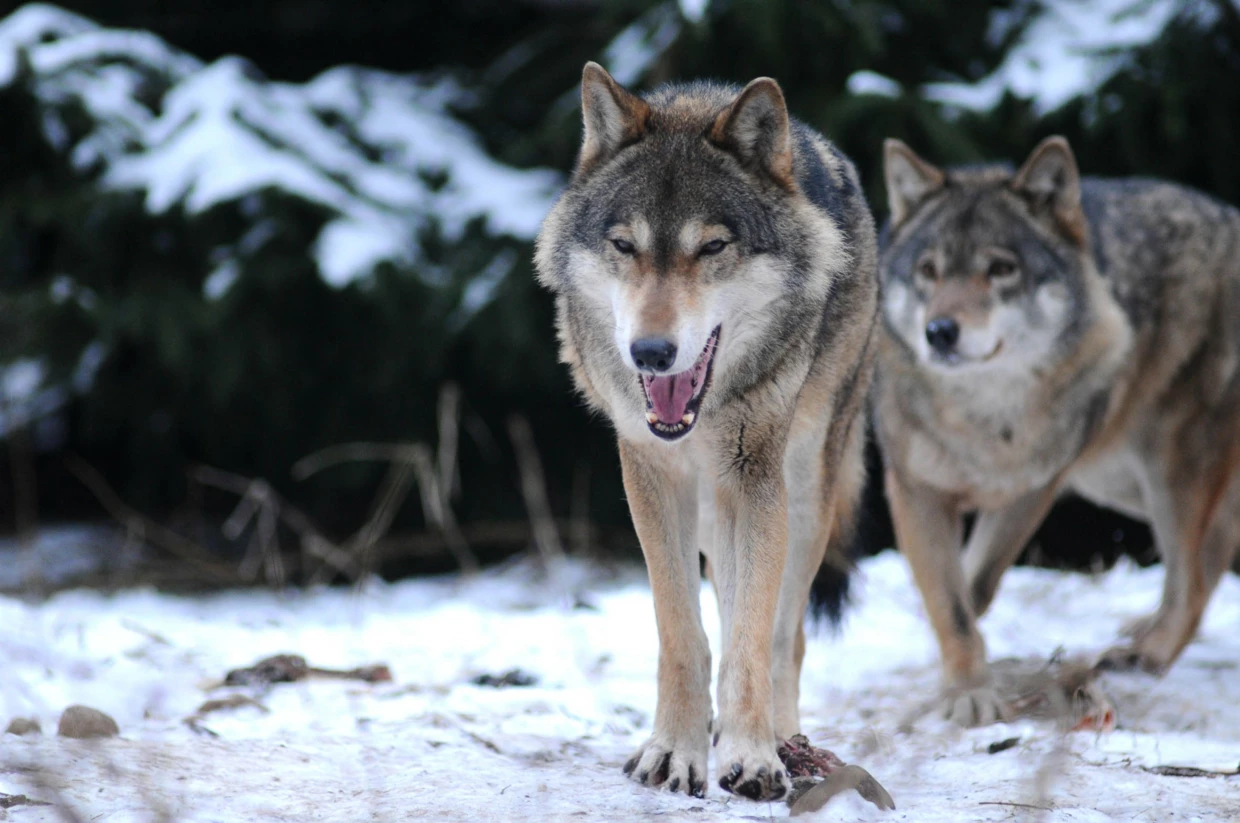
715, 271
1046, 333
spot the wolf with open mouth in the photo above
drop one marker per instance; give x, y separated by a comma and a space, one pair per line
714, 266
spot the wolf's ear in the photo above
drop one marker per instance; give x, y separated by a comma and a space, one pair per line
613, 117
755, 128
909, 179
1050, 180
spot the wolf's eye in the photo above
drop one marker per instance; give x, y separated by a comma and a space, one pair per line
927, 269
1000, 268
712, 248
623, 246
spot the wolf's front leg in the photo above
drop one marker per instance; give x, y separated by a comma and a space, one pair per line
751, 536
663, 501
823, 481
928, 532
998, 539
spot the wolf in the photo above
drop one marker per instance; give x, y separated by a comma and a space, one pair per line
1045, 333
714, 266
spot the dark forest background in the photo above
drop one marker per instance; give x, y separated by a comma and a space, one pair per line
285, 365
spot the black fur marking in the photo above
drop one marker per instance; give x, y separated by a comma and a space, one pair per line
961, 622
1093, 216
981, 586
816, 182
742, 460
1095, 415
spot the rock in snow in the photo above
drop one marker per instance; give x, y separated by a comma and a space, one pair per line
23, 725
83, 722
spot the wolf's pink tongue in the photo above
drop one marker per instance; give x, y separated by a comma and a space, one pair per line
670, 395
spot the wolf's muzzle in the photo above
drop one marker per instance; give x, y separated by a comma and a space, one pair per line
653, 354
942, 334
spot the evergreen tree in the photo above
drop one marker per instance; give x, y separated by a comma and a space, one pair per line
180, 335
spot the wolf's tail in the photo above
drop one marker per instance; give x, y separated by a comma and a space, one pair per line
862, 528
828, 595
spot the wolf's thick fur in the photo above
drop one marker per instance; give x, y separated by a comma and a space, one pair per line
703, 218
1096, 349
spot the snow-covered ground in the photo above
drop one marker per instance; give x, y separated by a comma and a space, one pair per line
431, 745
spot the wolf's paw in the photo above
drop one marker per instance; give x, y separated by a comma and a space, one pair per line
976, 706
752, 770
1155, 643
678, 768
1132, 658
1139, 627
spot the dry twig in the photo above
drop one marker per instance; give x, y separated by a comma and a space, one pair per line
436, 477
145, 530
258, 497
534, 490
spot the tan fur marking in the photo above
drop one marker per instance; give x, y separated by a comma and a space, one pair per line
966, 299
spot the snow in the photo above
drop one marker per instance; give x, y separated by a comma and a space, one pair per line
694, 10
220, 280
25, 395
88, 364
481, 289
21, 379
431, 745
635, 49
1070, 49
379, 152
56, 555
870, 82
28, 396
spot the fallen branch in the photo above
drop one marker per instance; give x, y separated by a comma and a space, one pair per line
144, 529
410, 461
1189, 771
259, 498
289, 668
534, 490
8, 801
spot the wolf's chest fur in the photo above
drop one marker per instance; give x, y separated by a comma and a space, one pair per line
993, 438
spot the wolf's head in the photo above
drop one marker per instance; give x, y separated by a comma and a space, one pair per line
984, 268
676, 248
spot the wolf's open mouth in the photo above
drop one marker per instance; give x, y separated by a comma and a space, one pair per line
672, 401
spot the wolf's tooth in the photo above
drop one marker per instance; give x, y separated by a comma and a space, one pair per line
652, 418
688, 418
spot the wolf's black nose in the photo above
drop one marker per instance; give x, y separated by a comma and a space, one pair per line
653, 354
942, 334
